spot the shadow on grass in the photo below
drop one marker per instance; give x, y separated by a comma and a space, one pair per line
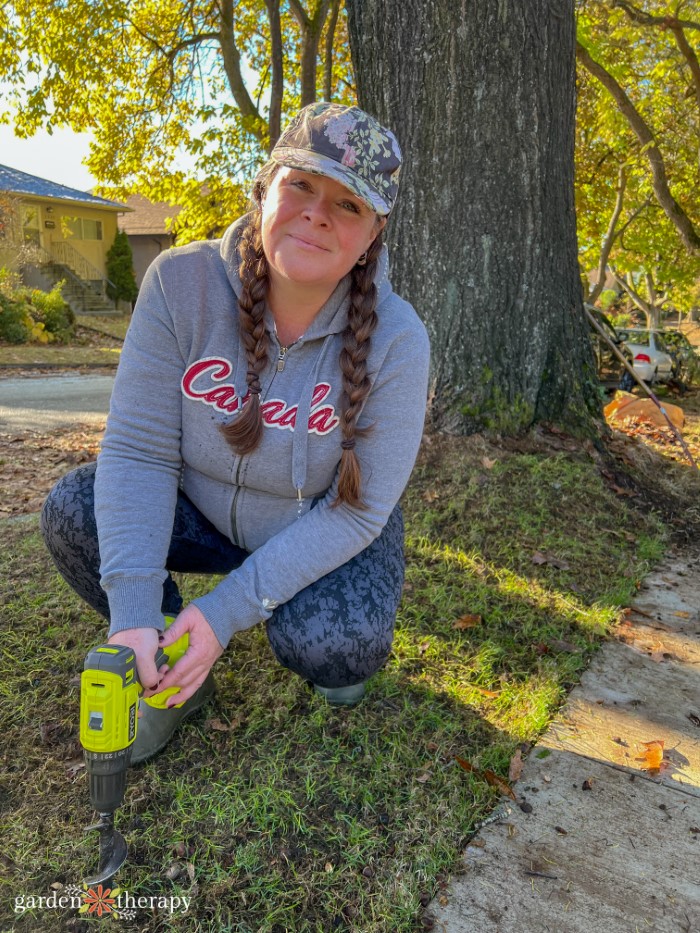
274, 812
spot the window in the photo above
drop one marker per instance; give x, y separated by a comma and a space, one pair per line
81, 228
30, 224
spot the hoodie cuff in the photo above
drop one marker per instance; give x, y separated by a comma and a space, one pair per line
228, 609
135, 602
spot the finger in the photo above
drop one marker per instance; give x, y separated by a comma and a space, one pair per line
176, 630
184, 694
148, 675
183, 678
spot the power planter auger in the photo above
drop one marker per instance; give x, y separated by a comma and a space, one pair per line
109, 698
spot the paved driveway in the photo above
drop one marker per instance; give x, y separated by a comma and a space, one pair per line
42, 403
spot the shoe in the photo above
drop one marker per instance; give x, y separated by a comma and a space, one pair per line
342, 696
156, 726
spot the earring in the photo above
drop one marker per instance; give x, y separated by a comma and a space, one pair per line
362, 261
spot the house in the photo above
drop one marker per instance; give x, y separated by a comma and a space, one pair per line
66, 234
150, 230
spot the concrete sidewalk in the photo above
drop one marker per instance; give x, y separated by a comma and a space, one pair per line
595, 842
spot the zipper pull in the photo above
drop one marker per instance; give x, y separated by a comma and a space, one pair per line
299, 502
280, 361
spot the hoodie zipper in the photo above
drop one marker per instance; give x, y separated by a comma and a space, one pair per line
279, 368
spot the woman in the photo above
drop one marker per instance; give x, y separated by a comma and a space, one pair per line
265, 418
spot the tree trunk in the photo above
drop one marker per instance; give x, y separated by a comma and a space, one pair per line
483, 237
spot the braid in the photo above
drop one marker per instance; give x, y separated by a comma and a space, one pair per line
362, 321
244, 433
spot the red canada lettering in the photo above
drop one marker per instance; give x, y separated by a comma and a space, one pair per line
222, 397
275, 412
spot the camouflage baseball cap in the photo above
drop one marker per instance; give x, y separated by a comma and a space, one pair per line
346, 144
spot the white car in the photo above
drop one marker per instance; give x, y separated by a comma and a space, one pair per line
651, 359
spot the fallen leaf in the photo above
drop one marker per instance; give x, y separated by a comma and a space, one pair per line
654, 754
424, 776
218, 726
587, 784
489, 464
467, 621
493, 779
72, 767
328, 867
562, 832
174, 872
484, 692
694, 719
563, 646
682, 615
539, 558
516, 767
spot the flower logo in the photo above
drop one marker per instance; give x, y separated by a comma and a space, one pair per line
100, 901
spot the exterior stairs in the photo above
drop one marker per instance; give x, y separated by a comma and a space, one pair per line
84, 288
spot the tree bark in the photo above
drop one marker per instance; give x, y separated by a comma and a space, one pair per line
483, 237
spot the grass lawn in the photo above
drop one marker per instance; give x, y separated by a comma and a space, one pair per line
275, 812
97, 342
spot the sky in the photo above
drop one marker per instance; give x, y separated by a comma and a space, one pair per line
57, 158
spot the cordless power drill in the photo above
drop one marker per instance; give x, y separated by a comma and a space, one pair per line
109, 698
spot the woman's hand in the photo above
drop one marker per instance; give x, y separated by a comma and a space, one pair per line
144, 643
189, 673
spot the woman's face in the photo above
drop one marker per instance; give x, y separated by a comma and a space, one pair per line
314, 229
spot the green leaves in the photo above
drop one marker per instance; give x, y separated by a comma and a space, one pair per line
645, 57
176, 94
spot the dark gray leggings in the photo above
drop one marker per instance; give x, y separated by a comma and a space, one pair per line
336, 632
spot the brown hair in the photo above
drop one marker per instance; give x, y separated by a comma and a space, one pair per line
244, 433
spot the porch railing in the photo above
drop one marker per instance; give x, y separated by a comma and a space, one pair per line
67, 255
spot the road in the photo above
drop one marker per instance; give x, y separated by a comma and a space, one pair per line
42, 403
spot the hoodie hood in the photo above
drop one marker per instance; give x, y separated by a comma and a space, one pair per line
331, 319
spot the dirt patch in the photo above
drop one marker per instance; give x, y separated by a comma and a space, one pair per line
32, 462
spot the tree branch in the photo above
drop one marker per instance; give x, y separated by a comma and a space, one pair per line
646, 19
609, 237
300, 13
689, 54
635, 296
277, 62
671, 207
232, 67
328, 58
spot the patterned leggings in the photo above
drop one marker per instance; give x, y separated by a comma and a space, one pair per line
336, 632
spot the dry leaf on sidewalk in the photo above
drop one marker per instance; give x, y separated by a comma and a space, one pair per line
653, 756
516, 767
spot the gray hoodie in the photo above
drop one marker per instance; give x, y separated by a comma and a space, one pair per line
181, 376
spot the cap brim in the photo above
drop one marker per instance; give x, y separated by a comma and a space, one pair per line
316, 164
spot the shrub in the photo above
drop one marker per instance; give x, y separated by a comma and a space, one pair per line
54, 313
32, 316
120, 270
15, 320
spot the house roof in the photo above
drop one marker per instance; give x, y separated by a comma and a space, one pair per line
16, 182
147, 217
